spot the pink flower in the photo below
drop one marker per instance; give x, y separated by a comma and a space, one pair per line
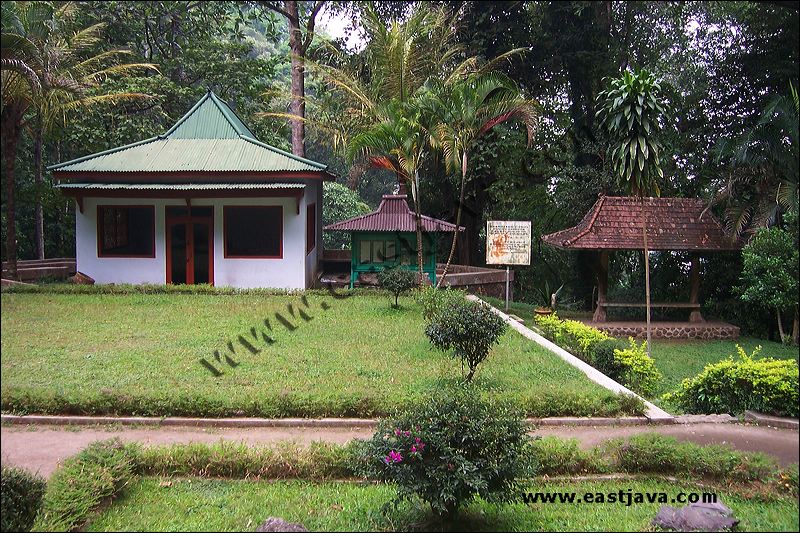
397, 432
393, 457
414, 449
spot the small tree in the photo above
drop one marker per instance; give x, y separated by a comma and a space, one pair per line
769, 273
340, 203
449, 449
397, 281
468, 330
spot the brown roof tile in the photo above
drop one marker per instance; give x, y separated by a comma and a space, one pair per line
392, 215
614, 222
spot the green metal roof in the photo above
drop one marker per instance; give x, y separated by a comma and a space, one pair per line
210, 138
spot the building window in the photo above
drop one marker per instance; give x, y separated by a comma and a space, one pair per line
125, 231
253, 231
311, 228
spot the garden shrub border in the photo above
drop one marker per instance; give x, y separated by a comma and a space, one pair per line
72, 497
627, 363
22, 493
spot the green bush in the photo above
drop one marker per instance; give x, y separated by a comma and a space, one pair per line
557, 456
654, 453
603, 357
450, 449
318, 461
468, 330
83, 483
766, 385
397, 281
21, 497
637, 370
434, 301
340, 203
575, 337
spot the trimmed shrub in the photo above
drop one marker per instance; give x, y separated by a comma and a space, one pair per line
434, 301
627, 363
654, 453
557, 456
766, 385
397, 281
450, 449
575, 337
21, 497
637, 371
468, 330
83, 483
604, 360
318, 461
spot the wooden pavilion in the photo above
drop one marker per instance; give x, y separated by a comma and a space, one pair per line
387, 238
673, 224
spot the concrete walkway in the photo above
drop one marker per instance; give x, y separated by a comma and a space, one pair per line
41, 448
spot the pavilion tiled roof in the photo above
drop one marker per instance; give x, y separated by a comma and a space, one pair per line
392, 215
615, 223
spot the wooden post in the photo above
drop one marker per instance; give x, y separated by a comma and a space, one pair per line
694, 295
602, 287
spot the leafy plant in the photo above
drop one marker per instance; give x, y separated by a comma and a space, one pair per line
434, 301
450, 449
83, 483
397, 281
339, 203
770, 272
603, 358
21, 498
637, 370
766, 385
544, 295
468, 330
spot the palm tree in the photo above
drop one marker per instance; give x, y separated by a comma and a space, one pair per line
66, 68
632, 110
761, 168
467, 109
399, 144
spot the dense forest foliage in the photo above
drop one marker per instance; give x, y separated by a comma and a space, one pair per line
122, 71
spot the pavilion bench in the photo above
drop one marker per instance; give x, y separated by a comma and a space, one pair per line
695, 315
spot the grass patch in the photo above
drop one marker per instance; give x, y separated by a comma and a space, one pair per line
191, 504
139, 354
681, 359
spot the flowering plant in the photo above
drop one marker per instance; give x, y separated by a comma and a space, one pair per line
451, 448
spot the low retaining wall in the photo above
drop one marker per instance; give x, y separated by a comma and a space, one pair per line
35, 269
676, 330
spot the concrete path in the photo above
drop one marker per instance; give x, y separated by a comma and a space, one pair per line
41, 448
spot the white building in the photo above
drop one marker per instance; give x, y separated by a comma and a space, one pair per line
204, 202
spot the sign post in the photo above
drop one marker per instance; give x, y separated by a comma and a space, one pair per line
508, 243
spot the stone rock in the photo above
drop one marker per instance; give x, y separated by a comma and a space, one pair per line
696, 517
279, 524
81, 279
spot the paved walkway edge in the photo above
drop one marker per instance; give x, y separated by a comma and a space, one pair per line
761, 419
339, 423
653, 413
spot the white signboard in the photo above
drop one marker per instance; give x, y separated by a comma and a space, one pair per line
508, 242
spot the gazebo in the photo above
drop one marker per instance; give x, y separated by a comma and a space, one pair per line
673, 224
387, 238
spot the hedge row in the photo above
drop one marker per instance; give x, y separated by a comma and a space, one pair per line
626, 362
733, 386
21, 497
150, 288
84, 483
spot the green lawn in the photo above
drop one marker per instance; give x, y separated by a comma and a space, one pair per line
678, 360
140, 354
194, 504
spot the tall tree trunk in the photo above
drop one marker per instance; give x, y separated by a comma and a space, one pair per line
39, 181
646, 273
781, 331
418, 217
796, 326
11, 129
458, 219
298, 78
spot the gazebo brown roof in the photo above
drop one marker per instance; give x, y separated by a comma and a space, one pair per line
392, 215
614, 223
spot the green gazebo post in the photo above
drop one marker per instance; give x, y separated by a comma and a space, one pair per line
386, 238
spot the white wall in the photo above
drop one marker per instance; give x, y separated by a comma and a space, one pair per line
313, 195
289, 272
